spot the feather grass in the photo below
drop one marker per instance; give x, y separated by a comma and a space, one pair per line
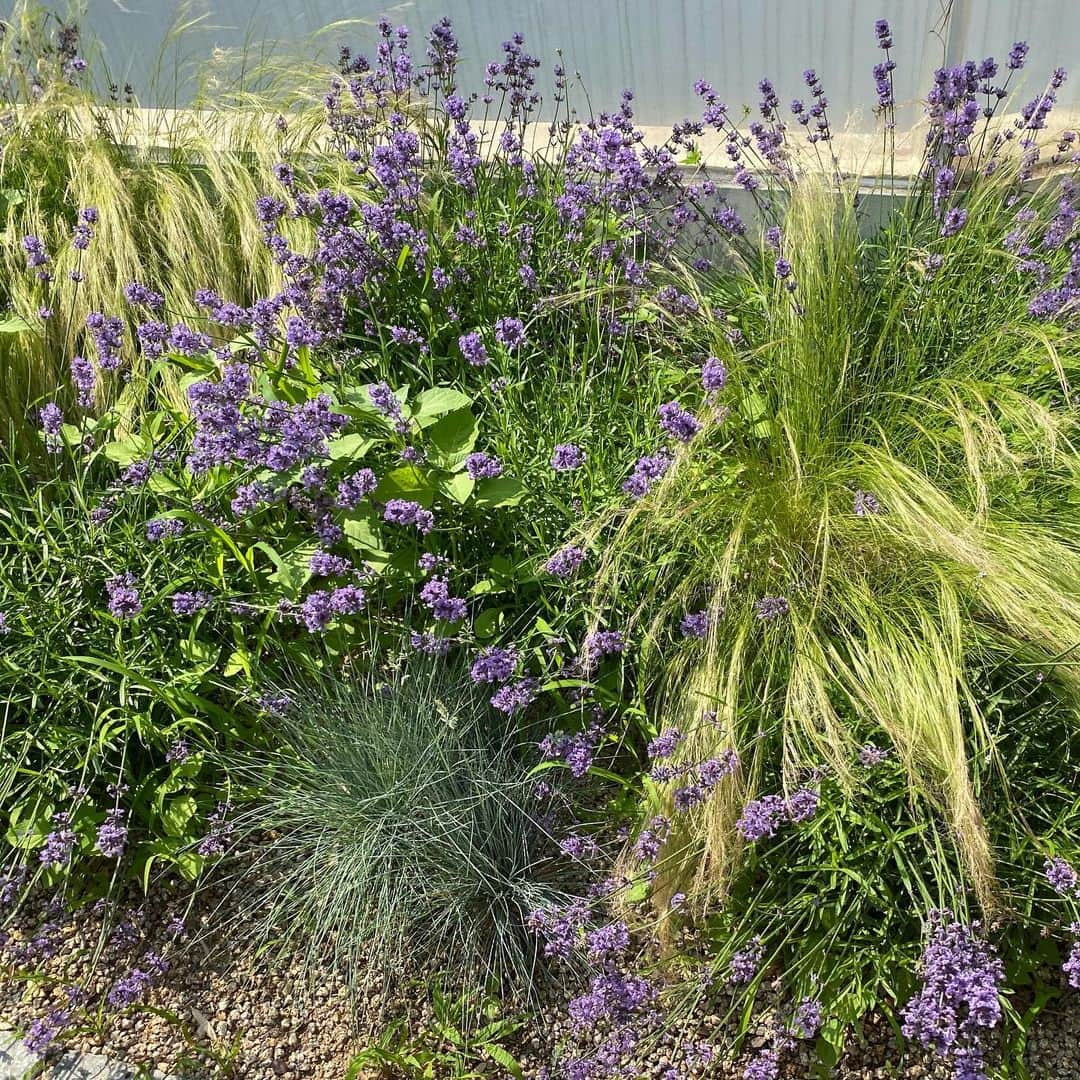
944, 400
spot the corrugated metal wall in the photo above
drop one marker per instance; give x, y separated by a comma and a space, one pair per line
656, 47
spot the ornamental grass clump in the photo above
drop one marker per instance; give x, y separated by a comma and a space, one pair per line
172, 195
874, 504
401, 831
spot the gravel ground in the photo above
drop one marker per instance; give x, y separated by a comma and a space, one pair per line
222, 1011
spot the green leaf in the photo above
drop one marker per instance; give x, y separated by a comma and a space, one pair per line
488, 623
160, 484
349, 447
177, 813
406, 482
452, 439
126, 451
294, 570
457, 487
500, 491
14, 324
436, 402
501, 1056
198, 652
360, 532
238, 661
756, 413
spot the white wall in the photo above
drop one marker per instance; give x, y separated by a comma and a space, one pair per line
656, 47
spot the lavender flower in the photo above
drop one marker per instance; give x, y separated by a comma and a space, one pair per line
954, 221
560, 927
472, 348
352, 489
124, 601
213, 843
179, 752
436, 596
510, 333
601, 643
580, 848
327, 564
83, 379
42, 1032
386, 402
744, 964
648, 470
190, 603
565, 561
870, 756
59, 843
803, 804
772, 607
866, 503
348, 600
1071, 967
515, 696
665, 744
493, 665
430, 644
677, 422
607, 942
651, 839
1060, 876
712, 770
695, 624
766, 1066
761, 817
159, 528
112, 834
567, 457
958, 1003
135, 293
713, 375
481, 466
52, 419
407, 512
36, 255
576, 750
806, 1021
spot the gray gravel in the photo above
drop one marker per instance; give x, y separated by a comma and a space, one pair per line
273, 1018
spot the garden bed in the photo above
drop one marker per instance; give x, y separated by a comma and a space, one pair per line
487, 589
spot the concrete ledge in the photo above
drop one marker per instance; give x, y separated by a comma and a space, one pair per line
16, 1063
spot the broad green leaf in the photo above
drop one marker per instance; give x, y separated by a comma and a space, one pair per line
294, 570
13, 324
126, 451
501, 1056
452, 439
406, 482
436, 402
177, 813
160, 484
349, 447
238, 662
500, 491
198, 652
457, 487
360, 532
488, 623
